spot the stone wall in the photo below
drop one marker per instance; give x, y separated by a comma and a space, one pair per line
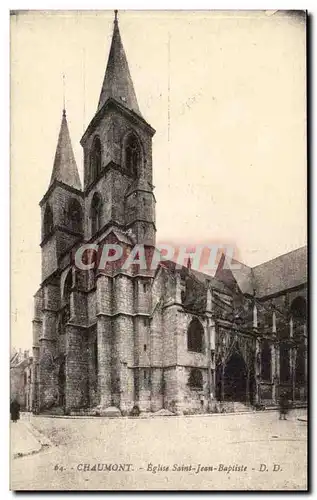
77, 373
104, 339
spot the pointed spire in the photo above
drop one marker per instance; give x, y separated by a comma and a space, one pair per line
65, 168
117, 82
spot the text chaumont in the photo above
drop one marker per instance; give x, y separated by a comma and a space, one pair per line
100, 467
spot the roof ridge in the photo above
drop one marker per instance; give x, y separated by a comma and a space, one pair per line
279, 256
235, 261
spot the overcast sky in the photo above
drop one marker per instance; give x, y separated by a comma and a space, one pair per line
231, 169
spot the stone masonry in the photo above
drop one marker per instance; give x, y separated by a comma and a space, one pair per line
171, 337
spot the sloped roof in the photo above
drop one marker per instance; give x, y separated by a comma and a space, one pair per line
117, 83
196, 281
214, 282
20, 359
237, 274
243, 277
120, 235
201, 277
65, 168
283, 272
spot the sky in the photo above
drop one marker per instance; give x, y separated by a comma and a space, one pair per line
226, 93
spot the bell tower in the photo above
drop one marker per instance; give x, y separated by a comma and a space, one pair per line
62, 205
119, 199
62, 228
118, 156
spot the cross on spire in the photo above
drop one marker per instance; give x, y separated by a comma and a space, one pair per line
64, 106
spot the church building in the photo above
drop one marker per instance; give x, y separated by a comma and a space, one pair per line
106, 341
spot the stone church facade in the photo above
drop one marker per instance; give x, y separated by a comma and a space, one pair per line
169, 338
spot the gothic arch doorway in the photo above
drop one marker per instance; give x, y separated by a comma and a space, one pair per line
235, 379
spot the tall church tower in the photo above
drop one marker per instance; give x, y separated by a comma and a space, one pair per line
118, 156
92, 328
62, 228
118, 193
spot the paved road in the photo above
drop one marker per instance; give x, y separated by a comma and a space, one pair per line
215, 442
23, 441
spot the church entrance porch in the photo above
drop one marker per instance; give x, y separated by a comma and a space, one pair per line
235, 380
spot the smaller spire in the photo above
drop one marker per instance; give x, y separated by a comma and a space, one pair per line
115, 16
65, 168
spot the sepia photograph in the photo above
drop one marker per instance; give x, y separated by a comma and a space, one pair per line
159, 289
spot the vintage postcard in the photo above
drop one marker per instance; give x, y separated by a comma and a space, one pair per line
159, 250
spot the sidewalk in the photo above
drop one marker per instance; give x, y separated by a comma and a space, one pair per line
25, 440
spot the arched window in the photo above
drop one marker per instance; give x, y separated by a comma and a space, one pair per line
64, 314
95, 159
195, 336
132, 155
68, 287
95, 213
75, 216
48, 221
266, 361
195, 379
299, 310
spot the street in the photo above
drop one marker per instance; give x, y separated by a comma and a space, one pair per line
251, 451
